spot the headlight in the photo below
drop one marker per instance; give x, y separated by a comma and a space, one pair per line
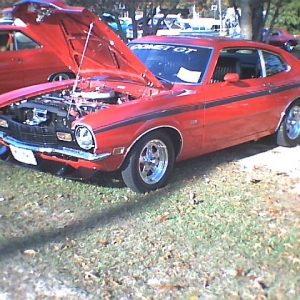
3, 123
84, 137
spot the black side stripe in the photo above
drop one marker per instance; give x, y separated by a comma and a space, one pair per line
199, 106
267, 91
220, 102
155, 115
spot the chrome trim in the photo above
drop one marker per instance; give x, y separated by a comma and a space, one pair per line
90, 129
150, 130
54, 151
282, 115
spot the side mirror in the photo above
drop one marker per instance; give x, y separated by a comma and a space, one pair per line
231, 77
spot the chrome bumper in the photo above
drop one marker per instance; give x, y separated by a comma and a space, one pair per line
54, 151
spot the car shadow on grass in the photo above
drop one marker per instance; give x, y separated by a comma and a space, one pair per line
182, 173
195, 166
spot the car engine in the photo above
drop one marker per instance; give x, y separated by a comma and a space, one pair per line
61, 108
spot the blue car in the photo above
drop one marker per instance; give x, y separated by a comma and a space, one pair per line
111, 21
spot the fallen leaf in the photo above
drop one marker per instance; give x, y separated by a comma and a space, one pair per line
30, 252
172, 287
162, 218
91, 276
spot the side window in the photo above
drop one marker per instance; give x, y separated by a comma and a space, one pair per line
273, 63
5, 41
22, 41
243, 61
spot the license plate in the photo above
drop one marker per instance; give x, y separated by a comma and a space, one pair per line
23, 155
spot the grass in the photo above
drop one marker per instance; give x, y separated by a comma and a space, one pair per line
215, 232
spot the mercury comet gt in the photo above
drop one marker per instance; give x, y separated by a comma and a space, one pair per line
152, 103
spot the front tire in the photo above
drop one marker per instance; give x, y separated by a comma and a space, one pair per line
149, 163
288, 134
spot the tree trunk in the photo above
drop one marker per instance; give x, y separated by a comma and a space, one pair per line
272, 22
246, 20
257, 20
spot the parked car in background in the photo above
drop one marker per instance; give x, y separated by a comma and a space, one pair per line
26, 58
110, 20
6, 16
157, 101
167, 26
281, 38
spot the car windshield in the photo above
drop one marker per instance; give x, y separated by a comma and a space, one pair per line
174, 63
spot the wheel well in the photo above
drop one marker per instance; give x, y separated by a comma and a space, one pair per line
69, 73
176, 139
171, 132
297, 100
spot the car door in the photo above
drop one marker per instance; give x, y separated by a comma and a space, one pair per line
11, 66
235, 111
26, 62
277, 81
37, 61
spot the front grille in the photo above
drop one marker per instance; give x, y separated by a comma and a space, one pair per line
33, 134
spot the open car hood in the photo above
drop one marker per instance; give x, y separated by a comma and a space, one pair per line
85, 43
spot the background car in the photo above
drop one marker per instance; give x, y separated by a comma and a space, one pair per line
156, 101
167, 26
26, 59
281, 38
6, 16
110, 20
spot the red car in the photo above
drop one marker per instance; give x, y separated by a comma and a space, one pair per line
155, 102
281, 38
27, 59
32, 54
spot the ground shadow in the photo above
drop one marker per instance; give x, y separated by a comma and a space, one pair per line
182, 172
195, 166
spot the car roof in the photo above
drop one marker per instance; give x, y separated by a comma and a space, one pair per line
206, 41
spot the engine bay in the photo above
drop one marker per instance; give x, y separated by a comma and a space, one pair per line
62, 107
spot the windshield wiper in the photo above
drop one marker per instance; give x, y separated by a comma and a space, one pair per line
164, 79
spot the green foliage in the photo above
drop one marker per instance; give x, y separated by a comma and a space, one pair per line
288, 14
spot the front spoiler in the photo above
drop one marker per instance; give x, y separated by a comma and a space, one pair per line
54, 151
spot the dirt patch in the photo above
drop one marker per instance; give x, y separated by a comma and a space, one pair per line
279, 159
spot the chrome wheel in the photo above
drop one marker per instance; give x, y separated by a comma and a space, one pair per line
293, 123
153, 161
149, 164
288, 134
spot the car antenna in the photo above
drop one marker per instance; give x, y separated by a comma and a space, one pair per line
82, 57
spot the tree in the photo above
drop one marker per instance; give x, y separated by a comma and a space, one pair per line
99, 7
255, 14
284, 13
148, 9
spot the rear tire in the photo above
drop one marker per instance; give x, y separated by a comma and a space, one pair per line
149, 163
288, 134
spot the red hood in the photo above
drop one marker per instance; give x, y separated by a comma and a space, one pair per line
66, 29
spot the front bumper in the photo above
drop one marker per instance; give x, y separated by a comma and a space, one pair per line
61, 161
63, 151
